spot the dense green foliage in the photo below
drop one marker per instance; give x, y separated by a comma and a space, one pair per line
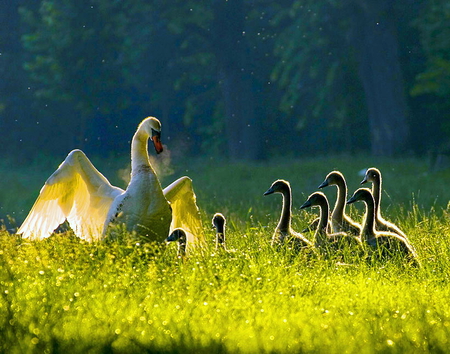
226, 77
62, 294
434, 28
435, 79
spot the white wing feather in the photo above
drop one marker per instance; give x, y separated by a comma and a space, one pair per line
185, 212
76, 191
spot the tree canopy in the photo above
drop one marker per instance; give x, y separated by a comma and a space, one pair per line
242, 79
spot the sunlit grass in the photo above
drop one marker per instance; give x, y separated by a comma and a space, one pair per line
65, 295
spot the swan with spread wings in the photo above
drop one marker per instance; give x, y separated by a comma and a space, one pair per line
79, 193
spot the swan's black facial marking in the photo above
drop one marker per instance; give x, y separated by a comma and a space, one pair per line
156, 133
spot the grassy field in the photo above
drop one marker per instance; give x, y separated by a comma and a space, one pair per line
65, 295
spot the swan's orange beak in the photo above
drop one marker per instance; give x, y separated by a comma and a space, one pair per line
157, 144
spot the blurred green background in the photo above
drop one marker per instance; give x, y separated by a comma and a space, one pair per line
242, 79
237, 81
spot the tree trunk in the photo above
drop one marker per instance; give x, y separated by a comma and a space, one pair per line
231, 50
381, 76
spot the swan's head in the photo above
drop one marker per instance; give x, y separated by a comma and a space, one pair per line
153, 128
279, 186
315, 199
218, 221
372, 175
177, 235
363, 194
331, 179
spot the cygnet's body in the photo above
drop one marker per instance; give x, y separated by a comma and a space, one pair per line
323, 239
388, 244
373, 175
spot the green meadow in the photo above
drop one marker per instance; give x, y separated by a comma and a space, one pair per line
66, 295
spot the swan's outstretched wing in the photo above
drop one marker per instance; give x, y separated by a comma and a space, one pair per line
185, 212
76, 191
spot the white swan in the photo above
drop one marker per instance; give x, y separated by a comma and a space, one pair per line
79, 193
283, 231
373, 175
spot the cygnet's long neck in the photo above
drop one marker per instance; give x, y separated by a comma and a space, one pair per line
339, 206
368, 229
321, 232
139, 152
284, 224
182, 246
376, 192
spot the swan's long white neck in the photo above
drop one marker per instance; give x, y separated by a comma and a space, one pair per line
139, 152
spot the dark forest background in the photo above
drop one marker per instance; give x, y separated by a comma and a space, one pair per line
243, 79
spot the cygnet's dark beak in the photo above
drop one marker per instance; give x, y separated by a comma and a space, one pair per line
323, 184
172, 237
351, 200
306, 204
269, 191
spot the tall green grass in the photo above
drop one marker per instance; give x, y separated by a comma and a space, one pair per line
65, 295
